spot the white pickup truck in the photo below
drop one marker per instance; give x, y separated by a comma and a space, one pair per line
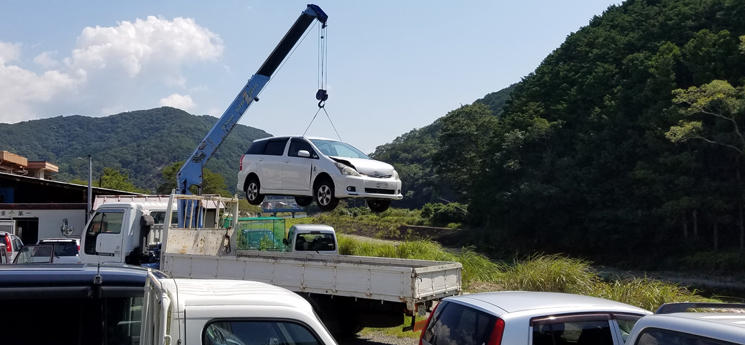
117, 304
347, 292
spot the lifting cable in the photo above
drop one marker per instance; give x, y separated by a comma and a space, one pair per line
322, 95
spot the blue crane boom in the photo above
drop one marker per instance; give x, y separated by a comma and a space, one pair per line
191, 172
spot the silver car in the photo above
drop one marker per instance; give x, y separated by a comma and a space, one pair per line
538, 318
673, 324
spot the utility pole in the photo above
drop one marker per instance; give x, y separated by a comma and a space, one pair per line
90, 189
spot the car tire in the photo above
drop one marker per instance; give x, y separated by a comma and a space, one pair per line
252, 191
378, 205
323, 193
303, 201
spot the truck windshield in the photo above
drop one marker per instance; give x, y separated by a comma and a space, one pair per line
338, 149
258, 332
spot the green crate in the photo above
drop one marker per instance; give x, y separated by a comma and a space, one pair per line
261, 233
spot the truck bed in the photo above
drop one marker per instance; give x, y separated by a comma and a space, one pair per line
201, 254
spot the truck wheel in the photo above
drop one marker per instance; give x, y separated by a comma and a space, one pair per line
324, 195
303, 201
252, 191
378, 205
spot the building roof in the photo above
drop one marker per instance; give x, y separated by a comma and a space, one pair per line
36, 181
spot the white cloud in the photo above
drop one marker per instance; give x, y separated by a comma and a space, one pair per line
45, 60
107, 68
9, 52
178, 101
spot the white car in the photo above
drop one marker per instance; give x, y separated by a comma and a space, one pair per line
316, 169
66, 250
672, 324
537, 318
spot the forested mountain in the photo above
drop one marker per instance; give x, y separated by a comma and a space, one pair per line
411, 154
139, 143
597, 153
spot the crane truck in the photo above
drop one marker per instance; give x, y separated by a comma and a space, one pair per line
347, 292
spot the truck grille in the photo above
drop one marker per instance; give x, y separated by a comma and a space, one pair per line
379, 191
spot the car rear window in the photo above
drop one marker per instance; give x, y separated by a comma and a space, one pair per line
455, 323
256, 148
63, 248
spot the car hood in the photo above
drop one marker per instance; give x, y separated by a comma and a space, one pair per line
367, 166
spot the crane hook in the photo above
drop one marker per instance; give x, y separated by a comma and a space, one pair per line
322, 96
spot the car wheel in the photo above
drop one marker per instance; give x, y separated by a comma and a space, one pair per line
303, 201
378, 205
324, 195
252, 191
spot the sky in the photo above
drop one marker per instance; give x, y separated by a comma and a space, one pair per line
392, 66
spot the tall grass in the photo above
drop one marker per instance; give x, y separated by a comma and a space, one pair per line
550, 273
476, 267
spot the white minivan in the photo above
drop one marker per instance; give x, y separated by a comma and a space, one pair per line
316, 169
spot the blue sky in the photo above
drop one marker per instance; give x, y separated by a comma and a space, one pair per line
392, 65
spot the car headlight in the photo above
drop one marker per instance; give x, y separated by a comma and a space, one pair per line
395, 175
346, 170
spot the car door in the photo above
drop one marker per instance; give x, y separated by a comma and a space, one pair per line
298, 170
271, 164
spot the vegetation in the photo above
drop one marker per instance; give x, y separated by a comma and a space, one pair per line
624, 144
139, 144
112, 179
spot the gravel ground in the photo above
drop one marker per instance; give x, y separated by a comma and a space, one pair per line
377, 339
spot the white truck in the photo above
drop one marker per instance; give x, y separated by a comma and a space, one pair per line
347, 292
117, 304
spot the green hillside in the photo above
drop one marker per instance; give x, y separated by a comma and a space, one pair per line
140, 143
595, 152
411, 154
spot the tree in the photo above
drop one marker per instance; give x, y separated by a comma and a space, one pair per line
212, 183
719, 103
464, 136
113, 179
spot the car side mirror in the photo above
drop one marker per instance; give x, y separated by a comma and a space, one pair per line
284, 240
303, 153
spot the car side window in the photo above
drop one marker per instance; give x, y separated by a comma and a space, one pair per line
275, 147
299, 144
256, 148
589, 329
457, 324
655, 336
17, 243
258, 332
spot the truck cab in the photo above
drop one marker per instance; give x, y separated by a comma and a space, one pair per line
216, 311
123, 231
313, 238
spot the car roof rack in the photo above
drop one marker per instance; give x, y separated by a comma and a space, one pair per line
669, 308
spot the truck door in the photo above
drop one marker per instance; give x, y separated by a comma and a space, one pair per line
103, 237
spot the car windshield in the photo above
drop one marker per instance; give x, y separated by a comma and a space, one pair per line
63, 248
338, 149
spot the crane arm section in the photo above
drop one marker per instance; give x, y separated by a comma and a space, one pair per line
191, 172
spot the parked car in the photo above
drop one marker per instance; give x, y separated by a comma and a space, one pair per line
672, 324
315, 169
13, 244
4, 257
66, 250
537, 318
35, 254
